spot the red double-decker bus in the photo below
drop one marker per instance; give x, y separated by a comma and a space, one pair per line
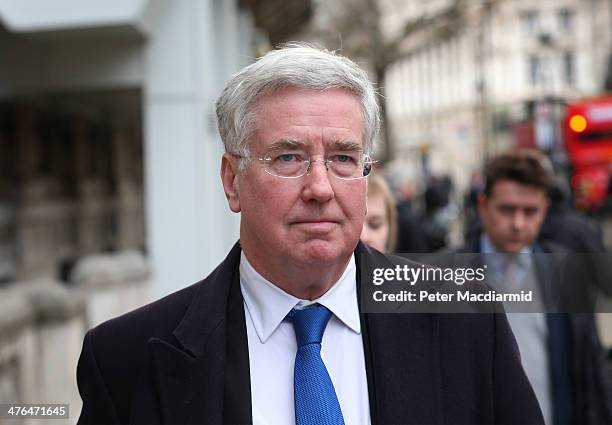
588, 140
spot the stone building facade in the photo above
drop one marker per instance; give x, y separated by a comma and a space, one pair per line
457, 98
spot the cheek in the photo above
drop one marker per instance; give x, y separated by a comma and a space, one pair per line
536, 223
384, 230
501, 221
352, 200
263, 204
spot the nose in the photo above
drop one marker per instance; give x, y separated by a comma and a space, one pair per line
317, 186
518, 220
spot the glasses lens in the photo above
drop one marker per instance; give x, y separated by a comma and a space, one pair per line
286, 165
346, 166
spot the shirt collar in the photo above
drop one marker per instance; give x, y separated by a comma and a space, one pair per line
268, 304
487, 247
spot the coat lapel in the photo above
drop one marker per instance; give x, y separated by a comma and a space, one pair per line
402, 361
405, 368
189, 374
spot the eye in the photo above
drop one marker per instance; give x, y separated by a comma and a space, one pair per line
289, 157
343, 158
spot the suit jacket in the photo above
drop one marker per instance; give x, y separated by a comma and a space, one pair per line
184, 360
575, 354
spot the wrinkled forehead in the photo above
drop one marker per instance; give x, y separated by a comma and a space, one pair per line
333, 109
512, 193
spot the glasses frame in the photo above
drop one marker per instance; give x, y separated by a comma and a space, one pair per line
368, 162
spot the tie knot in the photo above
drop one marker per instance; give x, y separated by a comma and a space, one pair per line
309, 324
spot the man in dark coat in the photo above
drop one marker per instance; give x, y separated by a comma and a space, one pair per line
275, 334
560, 351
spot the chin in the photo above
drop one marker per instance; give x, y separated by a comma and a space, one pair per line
319, 252
514, 249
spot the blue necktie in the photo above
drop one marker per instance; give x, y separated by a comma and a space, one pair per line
315, 398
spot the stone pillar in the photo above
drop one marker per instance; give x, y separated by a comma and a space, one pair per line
85, 239
94, 206
113, 284
128, 213
41, 332
32, 255
17, 347
28, 144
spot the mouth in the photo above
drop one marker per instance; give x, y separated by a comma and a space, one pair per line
316, 226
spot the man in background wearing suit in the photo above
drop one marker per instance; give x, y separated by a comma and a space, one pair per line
560, 352
274, 335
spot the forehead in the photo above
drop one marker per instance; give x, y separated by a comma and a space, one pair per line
311, 117
511, 192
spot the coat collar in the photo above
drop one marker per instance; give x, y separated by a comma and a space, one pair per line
402, 358
189, 378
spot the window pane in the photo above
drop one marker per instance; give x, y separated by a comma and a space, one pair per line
534, 66
568, 67
566, 19
531, 21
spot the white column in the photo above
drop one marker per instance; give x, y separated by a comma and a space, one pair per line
189, 226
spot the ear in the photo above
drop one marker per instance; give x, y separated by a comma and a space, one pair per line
229, 178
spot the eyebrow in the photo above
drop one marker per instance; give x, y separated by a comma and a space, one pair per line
286, 144
341, 145
345, 145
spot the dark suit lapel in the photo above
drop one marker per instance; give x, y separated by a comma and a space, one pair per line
189, 379
402, 362
404, 365
237, 398
545, 274
189, 389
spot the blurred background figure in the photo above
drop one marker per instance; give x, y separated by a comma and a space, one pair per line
561, 352
380, 225
471, 219
578, 233
410, 235
440, 212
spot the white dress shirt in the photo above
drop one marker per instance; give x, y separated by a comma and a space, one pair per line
272, 347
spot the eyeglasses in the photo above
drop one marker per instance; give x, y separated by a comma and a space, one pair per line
345, 166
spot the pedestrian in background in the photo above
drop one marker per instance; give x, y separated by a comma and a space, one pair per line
560, 352
380, 225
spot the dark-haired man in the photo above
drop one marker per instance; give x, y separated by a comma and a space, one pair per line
560, 352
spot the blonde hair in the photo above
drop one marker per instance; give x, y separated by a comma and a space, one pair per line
378, 186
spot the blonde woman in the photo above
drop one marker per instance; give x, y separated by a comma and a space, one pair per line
380, 225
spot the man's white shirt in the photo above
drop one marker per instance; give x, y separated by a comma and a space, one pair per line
272, 347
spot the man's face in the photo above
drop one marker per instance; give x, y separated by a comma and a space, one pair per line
313, 220
512, 214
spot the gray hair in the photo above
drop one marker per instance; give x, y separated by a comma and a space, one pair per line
294, 65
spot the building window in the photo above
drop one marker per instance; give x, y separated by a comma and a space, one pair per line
568, 67
565, 17
535, 69
531, 21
